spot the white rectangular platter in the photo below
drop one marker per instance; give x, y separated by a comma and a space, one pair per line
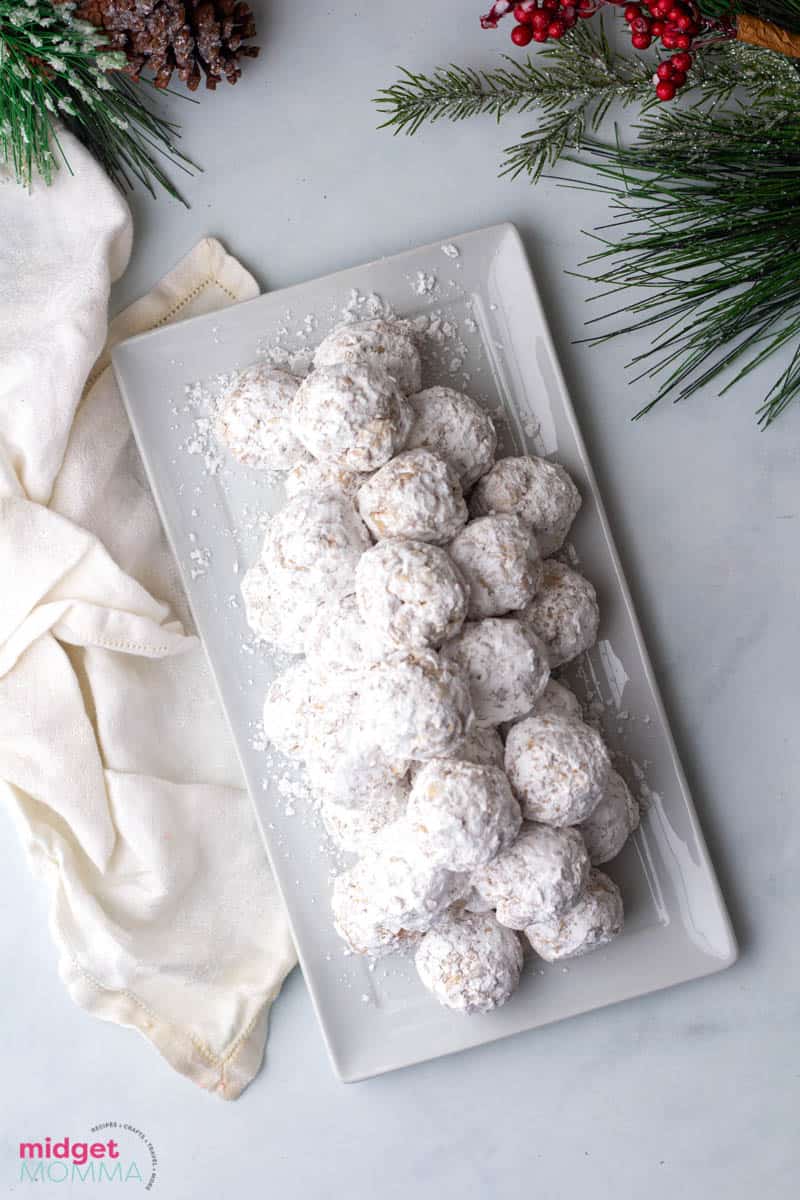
476, 298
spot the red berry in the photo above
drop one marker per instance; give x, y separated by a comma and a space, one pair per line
668, 40
540, 20
521, 35
663, 7
657, 28
678, 79
522, 14
641, 41
640, 25
664, 70
632, 11
665, 90
540, 35
551, 5
682, 42
586, 8
685, 23
676, 12
556, 29
681, 62
652, 7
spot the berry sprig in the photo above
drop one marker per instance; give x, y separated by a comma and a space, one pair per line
675, 24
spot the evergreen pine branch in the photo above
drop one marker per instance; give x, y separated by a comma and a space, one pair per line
54, 68
581, 79
709, 256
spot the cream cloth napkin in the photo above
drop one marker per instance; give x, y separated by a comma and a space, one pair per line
114, 755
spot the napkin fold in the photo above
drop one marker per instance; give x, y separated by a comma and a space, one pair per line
115, 758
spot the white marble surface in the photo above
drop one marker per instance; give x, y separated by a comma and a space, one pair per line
693, 1092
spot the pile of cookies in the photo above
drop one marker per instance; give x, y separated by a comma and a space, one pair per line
414, 573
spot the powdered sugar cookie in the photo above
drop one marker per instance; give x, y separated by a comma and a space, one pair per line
417, 706
271, 613
612, 822
538, 491
253, 418
542, 874
312, 546
563, 612
388, 345
352, 416
469, 962
410, 593
355, 828
292, 701
558, 768
595, 920
505, 665
338, 642
456, 429
499, 559
461, 814
414, 496
384, 902
343, 761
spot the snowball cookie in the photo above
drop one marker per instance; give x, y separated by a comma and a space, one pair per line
253, 418
539, 491
499, 559
410, 593
390, 896
505, 665
594, 921
311, 475
343, 761
337, 641
456, 429
461, 814
613, 821
355, 829
417, 706
311, 547
389, 345
469, 962
541, 875
558, 768
563, 612
292, 701
415, 496
310, 551
352, 416
482, 745
271, 614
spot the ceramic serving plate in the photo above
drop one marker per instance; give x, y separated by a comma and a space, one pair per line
487, 334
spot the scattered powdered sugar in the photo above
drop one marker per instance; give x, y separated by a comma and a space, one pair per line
451, 250
424, 283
